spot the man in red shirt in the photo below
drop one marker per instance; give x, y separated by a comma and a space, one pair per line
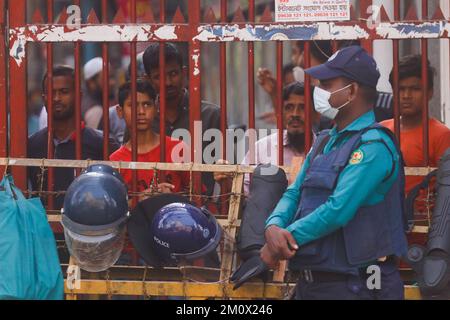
148, 143
411, 127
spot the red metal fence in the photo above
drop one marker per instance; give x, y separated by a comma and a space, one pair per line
3, 85
195, 32
201, 28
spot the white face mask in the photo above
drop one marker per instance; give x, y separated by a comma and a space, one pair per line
299, 74
322, 102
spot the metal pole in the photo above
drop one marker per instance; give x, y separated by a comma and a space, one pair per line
50, 145
105, 86
18, 94
162, 86
425, 116
279, 108
134, 142
3, 85
195, 89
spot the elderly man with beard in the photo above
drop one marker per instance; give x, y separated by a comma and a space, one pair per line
266, 149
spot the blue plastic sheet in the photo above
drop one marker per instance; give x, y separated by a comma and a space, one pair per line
29, 263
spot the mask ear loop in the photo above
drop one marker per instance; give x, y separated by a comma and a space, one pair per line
342, 89
344, 105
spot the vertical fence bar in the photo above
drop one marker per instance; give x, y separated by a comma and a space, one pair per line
251, 86
78, 140
334, 46
280, 124
223, 80
18, 94
78, 118
424, 49
162, 86
364, 6
396, 75
308, 99
3, 85
134, 142
223, 103
105, 86
50, 145
194, 88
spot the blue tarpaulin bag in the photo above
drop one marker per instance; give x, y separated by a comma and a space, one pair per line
29, 263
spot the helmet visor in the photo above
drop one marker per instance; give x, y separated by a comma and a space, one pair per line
95, 253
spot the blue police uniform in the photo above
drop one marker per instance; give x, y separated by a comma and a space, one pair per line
345, 210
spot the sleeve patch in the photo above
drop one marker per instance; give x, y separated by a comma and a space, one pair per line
357, 157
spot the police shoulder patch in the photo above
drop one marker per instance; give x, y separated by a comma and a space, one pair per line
357, 157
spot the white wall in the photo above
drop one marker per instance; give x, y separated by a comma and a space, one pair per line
383, 51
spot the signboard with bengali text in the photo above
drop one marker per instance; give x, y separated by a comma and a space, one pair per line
312, 10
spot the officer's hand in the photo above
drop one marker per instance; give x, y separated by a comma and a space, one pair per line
268, 258
222, 176
165, 187
280, 242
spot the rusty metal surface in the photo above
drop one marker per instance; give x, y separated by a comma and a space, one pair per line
218, 33
3, 85
18, 98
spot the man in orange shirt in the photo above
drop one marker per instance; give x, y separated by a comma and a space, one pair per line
411, 125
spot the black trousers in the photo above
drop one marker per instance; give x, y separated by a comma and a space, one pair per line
354, 287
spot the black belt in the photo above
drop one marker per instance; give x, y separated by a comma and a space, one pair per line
311, 276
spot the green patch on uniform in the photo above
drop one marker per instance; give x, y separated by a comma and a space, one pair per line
357, 157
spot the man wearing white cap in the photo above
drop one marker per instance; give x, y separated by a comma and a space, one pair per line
92, 102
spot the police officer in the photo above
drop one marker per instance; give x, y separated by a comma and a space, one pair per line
341, 223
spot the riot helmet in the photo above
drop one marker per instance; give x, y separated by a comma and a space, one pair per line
183, 231
94, 218
167, 228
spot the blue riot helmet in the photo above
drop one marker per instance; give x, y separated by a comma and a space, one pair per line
181, 231
105, 169
94, 218
140, 222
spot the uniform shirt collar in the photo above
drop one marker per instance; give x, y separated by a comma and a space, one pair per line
362, 122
